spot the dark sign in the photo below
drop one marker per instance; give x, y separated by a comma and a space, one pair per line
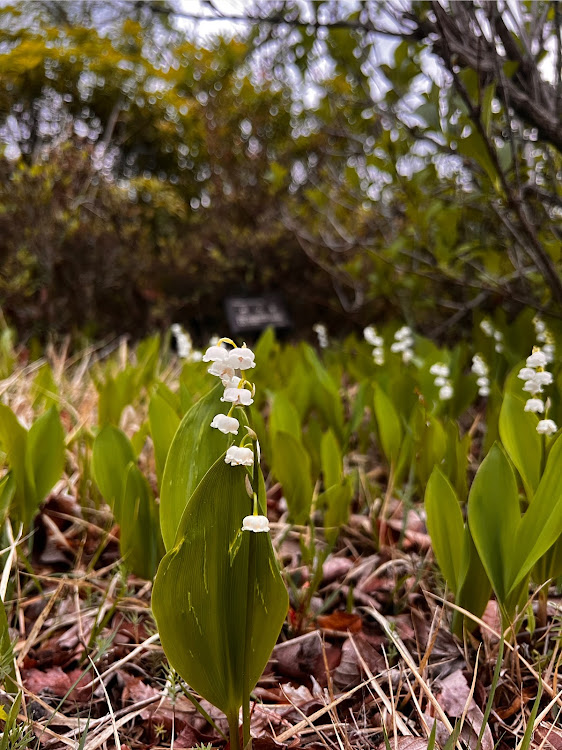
248, 314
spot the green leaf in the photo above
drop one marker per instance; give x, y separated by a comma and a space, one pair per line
390, 429
473, 587
7, 493
194, 449
44, 389
140, 541
542, 523
200, 592
112, 452
164, 423
431, 443
291, 466
337, 500
45, 454
324, 394
13, 439
494, 518
331, 459
284, 417
445, 525
518, 433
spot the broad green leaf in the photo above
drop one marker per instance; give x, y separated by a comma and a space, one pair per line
291, 466
284, 417
138, 439
13, 441
445, 525
518, 433
115, 393
312, 441
6, 651
45, 454
265, 345
164, 423
494, 518
7, 493
112, 452
431, 443
44, 389
194, 449
456, 459
201, 591
473, 588
148, 352
140, 533
332, 462
337, 500
542, 523
324, 393
390, 429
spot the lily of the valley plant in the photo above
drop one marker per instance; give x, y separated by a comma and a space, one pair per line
218, 598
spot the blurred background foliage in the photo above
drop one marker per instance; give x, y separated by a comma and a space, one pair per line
368, 160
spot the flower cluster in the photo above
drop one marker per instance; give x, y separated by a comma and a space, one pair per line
544, 337
224, 365
480, 369
535, 377
239, 392
403, 343
322, 333
441, 373
493, 333
371, 337
184, 344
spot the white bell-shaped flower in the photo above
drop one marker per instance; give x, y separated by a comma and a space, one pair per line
214, 354
238, 396
221, 369
237, 456
446, 392
241, 358
228, 425
255, 523
547, 427
535, 405
526, 373
440, 370
537, 359
532, 386
479, 366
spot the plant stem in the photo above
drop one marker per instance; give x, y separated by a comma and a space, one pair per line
248, 644
233, 731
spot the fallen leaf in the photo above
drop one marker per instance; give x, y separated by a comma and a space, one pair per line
339, 620
301, 658
453, 697
350, 671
